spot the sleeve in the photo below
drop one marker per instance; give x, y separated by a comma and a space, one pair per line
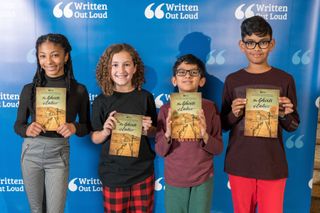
290, 122
214, 145
21, 123
162, 146
97, 118
151, 110
83, 126
228, 119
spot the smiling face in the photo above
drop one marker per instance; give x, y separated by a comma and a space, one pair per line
52, 58
188, 83
257, 55
122, 71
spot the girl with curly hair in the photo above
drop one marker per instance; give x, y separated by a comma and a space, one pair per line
128, 182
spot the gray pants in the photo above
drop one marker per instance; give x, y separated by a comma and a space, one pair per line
45, 170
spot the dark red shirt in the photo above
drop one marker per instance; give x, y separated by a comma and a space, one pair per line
257, 157
189, 163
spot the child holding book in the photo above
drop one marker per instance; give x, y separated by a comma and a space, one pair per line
257, 166
128, 182
189, 163
45, 154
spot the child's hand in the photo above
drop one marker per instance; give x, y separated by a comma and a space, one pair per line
203, 126
146, 124
237, 106
66, 130
34, 129
285, 106
168, 124
109, 124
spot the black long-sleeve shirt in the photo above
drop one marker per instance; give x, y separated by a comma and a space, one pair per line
78, 105
257, 157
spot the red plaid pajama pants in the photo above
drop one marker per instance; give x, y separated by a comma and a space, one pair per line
136, 198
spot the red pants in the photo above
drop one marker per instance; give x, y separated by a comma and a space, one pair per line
249, 193
137, 198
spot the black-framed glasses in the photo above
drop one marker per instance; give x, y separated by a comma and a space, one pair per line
264, 44
192, 72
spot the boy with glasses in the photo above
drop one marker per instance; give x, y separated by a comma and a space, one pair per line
257, 166
188, 164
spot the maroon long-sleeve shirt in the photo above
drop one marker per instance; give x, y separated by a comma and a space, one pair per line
188, 164
257, 157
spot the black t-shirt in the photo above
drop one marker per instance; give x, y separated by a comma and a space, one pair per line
78, 105
122, 171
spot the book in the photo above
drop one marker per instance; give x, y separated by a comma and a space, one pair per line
125, 138
185, 109
50, 107
261, 113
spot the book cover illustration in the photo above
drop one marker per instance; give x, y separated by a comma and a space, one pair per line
261, 113
50, 107
185, 109
125, 138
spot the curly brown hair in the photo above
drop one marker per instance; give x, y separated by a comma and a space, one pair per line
103, 71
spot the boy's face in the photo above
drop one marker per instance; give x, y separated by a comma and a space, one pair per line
257, 48
188, 78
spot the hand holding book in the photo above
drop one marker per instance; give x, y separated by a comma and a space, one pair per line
34, 129
238, 106
285, 106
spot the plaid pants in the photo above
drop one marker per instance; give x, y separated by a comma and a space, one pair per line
136, 198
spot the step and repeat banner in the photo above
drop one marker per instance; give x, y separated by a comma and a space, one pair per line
160, 30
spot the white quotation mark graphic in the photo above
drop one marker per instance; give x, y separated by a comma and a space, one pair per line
31, 56
318, 102
219, 59
304, 59
67, 12
158, 13
72, 186
158, 101
239, 14
158, 186
228, 185
298, 143
310, 183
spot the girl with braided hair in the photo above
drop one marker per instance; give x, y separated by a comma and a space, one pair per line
45, 154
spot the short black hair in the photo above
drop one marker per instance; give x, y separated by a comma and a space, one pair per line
190, 59
255, 25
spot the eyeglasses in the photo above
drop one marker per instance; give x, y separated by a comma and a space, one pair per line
252, 44
192, 72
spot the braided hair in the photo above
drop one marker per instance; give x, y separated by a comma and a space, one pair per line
39, 79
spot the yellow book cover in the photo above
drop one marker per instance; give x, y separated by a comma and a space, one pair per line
261, 113
50, 107
125, 138
185, 109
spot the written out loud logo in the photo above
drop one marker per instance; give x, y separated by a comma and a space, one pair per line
299, 58
218, 59
158, 185
158, 12
67, 12
240, 14
298, 143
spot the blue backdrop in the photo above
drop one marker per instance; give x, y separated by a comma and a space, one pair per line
160, 31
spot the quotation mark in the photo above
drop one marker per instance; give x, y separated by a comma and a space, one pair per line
298, 143
72, 186
304, 59
218, 59
158, 186
318, 102
239, 14
67, 12
158, 13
